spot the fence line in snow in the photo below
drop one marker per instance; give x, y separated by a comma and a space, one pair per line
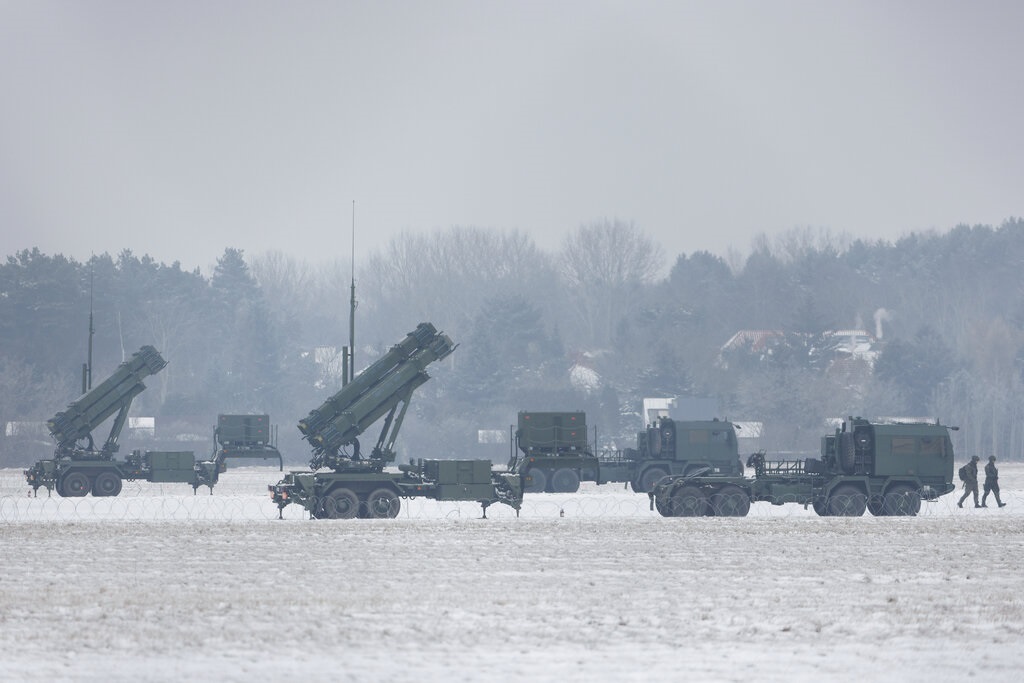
134, 506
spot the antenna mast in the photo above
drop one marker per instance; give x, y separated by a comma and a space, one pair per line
87, 368
352, 305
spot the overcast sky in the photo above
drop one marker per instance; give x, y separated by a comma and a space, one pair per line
177, 129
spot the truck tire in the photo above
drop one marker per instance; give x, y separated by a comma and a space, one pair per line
689, 501
75, 485
106, 484
820, 506
382, 504
730, 501
648, 478
847, 453
341, 503
901, 501
847, 500
564, 480
538, 481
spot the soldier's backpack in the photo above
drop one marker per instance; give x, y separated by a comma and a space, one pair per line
963, 473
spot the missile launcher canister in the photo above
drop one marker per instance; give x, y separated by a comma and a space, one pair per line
114, 395
377, 392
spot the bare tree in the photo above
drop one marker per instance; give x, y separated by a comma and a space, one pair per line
445, 276
602, 266
285, 282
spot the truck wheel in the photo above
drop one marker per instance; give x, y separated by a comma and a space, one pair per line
106, 484
565, 480
538, 481
341, 504
689, 501
901, 501
730, 501
820, 506
75, 485
847, 501
648, 479
382, 504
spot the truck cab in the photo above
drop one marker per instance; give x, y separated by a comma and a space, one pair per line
686, 447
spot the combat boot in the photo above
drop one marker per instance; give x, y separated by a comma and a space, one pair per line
1002, 505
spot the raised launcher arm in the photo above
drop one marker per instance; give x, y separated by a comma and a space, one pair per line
383, 389
72, 428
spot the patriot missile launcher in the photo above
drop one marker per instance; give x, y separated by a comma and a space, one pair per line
359, 485
78, 467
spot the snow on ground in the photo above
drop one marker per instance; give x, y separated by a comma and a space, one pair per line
158, 584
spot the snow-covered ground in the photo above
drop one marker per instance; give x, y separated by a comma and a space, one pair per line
158, 584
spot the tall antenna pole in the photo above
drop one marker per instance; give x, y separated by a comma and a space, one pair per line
87, 383
352, 304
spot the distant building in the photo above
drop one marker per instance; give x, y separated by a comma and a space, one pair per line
841, 346
854, 344
27, 429
142, 427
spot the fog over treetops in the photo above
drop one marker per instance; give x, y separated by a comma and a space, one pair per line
808, 327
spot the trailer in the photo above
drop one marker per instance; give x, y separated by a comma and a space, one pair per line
78, 467
377, 493
881, 467
345, 482
552, 452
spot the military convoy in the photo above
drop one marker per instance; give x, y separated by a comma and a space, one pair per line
556, 456
887, 468
688, 468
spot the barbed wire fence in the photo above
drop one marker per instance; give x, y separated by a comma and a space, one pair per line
243, 495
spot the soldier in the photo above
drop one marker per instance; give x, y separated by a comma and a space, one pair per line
991, 481
970, 482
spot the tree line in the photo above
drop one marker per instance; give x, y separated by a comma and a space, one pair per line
598, 324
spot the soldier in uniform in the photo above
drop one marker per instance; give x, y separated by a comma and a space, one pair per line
991, 481
971, 482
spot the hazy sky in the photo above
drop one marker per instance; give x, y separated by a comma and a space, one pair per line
180, 128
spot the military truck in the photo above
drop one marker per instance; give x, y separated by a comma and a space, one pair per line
78, 467
358, 484
887, 468
556, 457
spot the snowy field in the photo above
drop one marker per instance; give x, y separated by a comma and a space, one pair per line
161, 585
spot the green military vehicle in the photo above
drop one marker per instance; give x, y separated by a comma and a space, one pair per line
556, 457
359, 484
887, 468
555, 453
375, 493
78, 467
245, 436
